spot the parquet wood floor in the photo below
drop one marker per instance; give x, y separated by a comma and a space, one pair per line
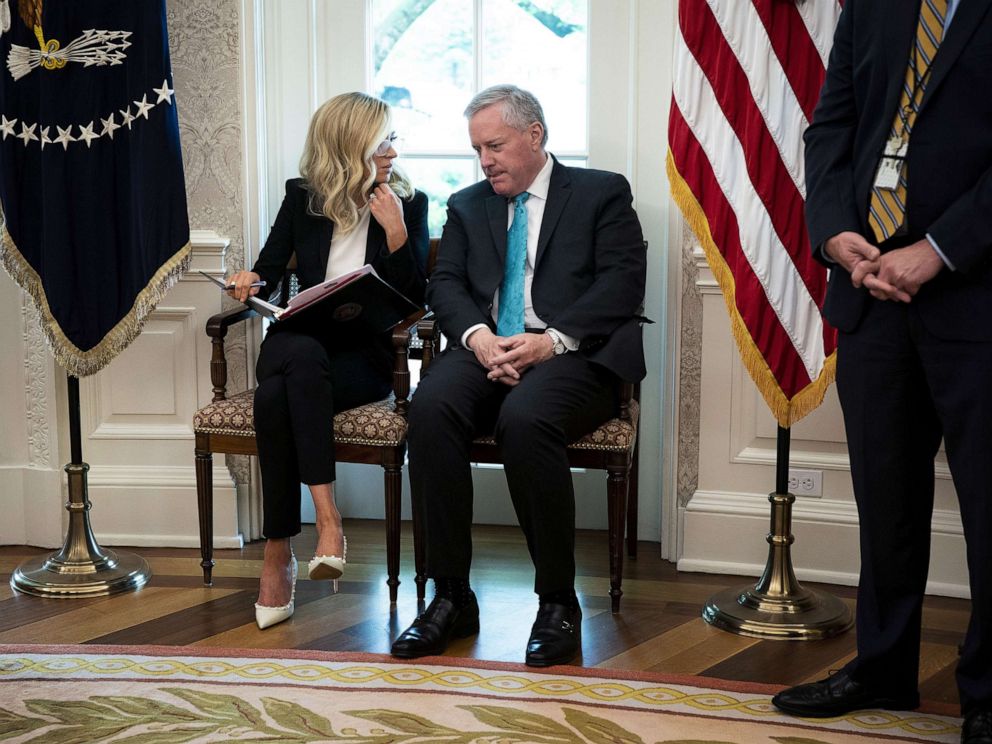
658, 629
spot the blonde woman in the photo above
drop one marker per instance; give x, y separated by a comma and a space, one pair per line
350, 207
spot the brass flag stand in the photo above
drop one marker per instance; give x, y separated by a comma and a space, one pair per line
779, 607
81, 568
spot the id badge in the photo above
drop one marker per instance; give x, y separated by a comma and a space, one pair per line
887, 176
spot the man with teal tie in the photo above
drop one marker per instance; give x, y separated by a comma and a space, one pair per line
538, 284
899, 206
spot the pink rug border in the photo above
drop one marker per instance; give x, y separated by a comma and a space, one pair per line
930, 707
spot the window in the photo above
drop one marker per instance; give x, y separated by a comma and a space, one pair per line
429, 57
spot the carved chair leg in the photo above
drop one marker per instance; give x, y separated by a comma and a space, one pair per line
394, 489
205, 506
632, 505
616, 489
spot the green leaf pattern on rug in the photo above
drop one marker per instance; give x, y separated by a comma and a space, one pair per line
297, 718
139, 720
407, 723
599, 730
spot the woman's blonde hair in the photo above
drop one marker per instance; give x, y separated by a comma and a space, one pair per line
337, 163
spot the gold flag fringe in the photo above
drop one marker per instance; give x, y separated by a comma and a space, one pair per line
786, 411
74, 360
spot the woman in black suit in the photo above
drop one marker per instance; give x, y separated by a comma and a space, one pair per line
349, 208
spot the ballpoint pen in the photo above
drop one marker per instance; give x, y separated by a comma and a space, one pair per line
253, 284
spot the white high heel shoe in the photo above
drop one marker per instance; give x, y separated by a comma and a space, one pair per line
328, 566
268, 616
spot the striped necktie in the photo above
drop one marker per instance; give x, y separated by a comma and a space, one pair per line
510, 318
887, 207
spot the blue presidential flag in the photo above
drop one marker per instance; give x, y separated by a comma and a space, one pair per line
93, 221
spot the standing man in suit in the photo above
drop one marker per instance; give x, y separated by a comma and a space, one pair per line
538, 285
899, 206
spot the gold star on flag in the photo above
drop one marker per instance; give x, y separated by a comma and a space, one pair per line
7, 126
164, 93
86, 134
109, 125
143, 107
27, 133
65, 136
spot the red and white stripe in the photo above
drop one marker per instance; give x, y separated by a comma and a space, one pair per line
747, 76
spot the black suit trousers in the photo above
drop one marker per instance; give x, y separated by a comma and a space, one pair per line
303, 380
556, 402
901, 389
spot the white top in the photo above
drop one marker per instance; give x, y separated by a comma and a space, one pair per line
534, 205
348, 251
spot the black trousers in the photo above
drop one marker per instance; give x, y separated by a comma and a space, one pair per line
901, 389
556, 402
302, 382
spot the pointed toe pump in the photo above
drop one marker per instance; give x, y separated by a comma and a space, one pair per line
329, 566
266, 617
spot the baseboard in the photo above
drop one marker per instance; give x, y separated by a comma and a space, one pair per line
724, 532
171, 541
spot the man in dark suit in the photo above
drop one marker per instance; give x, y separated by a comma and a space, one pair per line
899, 206
535, 354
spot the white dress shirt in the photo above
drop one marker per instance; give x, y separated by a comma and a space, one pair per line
348, 251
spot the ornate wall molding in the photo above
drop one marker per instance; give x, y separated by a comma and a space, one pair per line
205, 43
37, 368
691, 346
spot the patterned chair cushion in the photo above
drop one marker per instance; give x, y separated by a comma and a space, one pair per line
375, 424
616, 435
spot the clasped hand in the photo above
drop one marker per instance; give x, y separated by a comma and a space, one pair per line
508, 357
895, 275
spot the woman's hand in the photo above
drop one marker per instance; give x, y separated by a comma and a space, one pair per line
388, 212
242, 282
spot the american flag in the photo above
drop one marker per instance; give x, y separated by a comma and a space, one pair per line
746, 80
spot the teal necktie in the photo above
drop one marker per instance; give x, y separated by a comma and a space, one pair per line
511, 292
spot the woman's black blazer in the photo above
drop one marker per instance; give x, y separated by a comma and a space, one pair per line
298, 231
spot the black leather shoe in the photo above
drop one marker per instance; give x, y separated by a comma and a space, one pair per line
977, 728
439, 623
839, 694
555, 636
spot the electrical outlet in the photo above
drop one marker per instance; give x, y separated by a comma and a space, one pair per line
806, 482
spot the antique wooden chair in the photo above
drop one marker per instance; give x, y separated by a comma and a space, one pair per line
374, 433
612, 447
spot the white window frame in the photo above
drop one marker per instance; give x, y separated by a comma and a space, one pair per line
335, 59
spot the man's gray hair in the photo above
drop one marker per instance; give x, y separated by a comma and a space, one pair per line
520, 107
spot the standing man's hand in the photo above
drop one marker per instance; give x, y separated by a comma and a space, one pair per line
907, 269
854, 254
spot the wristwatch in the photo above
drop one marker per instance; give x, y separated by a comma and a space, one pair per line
557, 345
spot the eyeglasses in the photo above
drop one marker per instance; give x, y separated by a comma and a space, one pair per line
383, 149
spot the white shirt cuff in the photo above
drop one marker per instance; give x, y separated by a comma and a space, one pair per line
572, 344
469, 332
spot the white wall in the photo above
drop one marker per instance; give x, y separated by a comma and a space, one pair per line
31, 484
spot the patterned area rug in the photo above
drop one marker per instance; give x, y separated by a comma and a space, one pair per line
158, 694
